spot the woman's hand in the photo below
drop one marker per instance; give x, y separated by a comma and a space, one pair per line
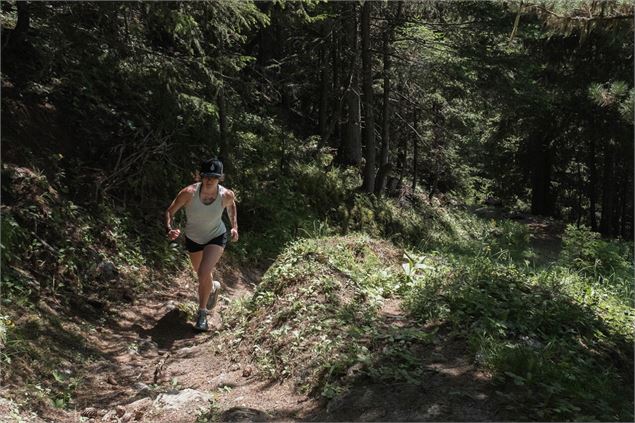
234, 234
174, 234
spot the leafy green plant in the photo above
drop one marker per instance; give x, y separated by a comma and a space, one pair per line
315, 316
66, 386
585, 251
607, 262
210, 414
537, 331
11, 237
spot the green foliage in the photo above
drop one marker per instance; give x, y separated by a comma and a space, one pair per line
535, 329
325, 187
607, 262
52, 246
279, 216
11, 237
459, 231
128, 93
44, 352
66, 386
616, 96
548, 334
139, 83
314, 317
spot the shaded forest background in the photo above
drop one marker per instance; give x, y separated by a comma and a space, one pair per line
527, 104
469, 160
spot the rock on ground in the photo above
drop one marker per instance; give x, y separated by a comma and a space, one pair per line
182, 400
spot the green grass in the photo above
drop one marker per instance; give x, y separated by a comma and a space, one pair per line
556, 334
46, 354
314, 317
557, 337
51, 249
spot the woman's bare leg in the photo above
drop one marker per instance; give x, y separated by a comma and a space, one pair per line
196, 258
209, 258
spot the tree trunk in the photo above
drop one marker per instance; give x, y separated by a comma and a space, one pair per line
268, 41
541, 197
351, 146
620, 200
380, 184
626, 221
608, 192
284, 166
382, 177
578, 203
592, 185
384, 167
336, 123
403, 154
324, 98
350, 151
13, 38
225, 154
436, 149
415, 153
623, 233
369, 113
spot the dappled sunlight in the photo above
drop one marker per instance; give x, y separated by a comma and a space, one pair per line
430, 207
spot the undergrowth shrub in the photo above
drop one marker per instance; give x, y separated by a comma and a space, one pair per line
271, 218
315, 317
606, 261
281, 190
289, 187
58, 245
78, 259
568, 351
323, 186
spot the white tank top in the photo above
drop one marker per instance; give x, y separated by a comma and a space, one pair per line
204, 221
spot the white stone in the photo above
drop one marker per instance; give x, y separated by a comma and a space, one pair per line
182, 399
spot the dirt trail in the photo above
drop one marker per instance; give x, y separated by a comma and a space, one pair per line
151, 348
546, 238
153, 367
453, 388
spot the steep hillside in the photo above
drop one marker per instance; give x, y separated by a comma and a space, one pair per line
339, 327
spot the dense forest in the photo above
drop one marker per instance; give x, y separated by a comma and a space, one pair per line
465, 164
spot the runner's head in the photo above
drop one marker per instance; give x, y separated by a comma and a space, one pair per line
211, 171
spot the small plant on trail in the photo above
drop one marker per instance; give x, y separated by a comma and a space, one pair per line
67, 385
210, 414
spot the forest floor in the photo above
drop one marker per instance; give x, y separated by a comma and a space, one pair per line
148, 364
154, 367
545, 234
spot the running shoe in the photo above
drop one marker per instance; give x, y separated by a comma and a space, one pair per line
213, 297
201, 321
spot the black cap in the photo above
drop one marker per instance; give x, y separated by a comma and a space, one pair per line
211, 167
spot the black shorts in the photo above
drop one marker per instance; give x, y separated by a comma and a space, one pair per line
193, 247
